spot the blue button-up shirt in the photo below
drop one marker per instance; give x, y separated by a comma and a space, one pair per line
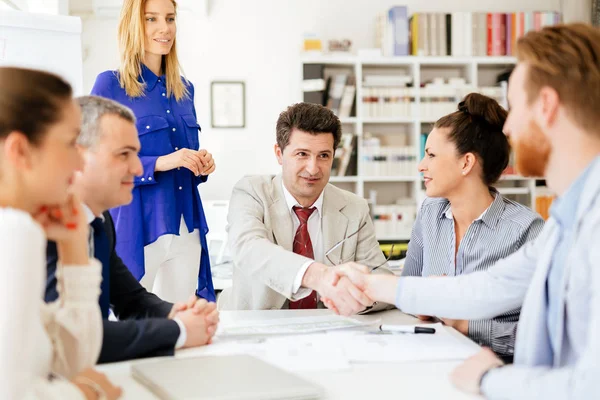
564, 211
160, 199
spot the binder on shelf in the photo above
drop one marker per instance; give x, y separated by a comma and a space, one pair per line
398, 19
314, 84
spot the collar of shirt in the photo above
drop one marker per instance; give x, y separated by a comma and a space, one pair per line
490, 216
291, 201
564, 208
149, 77
89, 215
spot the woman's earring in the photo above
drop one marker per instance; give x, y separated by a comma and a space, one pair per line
464, 172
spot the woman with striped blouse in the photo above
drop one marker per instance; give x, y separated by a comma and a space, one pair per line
465, 225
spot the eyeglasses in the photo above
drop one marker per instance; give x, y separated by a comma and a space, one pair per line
338, 244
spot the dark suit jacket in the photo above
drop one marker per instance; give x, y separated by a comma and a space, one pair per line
143, 329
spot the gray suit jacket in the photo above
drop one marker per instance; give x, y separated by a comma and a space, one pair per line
574, 371
260, 236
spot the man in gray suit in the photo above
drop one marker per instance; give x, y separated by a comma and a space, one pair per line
554, 124
283, 231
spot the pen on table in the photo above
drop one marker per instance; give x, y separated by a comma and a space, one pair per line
405, 329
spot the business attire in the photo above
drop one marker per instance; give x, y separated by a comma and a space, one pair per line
499, 231
162, 232
38, 339
556, 280
265, 228
143, 329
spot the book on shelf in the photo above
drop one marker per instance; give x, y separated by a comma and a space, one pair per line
336, 90
473, 34
344, 160
394, 221
543, 202
392, 34
384, 161
347, 103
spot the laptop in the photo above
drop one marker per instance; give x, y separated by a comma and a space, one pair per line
234, 377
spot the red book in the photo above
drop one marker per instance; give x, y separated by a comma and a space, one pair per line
490, 35
498, 34
502, 34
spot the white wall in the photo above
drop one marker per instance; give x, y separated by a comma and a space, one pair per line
259, 42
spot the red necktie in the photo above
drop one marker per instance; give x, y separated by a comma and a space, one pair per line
303, 246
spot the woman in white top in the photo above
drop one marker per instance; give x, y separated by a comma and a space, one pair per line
39, 124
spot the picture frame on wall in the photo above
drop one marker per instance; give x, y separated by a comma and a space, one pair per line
228, 104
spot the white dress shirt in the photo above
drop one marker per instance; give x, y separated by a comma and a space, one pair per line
36, 339
315, 231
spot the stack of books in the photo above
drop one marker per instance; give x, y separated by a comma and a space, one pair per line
394, 221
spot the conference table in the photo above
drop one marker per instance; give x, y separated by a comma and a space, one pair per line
414, 380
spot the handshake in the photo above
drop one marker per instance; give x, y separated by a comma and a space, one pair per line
349, 288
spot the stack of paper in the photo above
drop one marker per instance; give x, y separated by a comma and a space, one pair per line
286, 326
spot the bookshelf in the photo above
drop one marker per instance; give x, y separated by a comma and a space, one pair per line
423, 102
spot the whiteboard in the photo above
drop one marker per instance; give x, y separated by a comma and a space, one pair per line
41, 41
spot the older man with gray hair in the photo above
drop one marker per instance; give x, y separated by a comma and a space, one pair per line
146, 326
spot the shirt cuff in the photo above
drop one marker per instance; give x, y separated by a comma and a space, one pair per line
490, 384
148, 166
399, 292
182, 334
299, 292
480, 331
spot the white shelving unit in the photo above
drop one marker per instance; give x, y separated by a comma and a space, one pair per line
477, 71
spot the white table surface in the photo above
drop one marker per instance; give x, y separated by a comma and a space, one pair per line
419, 380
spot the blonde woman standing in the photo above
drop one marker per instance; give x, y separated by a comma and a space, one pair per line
161, 234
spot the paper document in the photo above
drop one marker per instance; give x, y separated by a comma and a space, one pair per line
337, 350
315, 352
284, 326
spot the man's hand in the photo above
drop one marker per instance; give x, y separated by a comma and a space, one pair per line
460, 325
200, 318
377, 287
468, 375
337, 292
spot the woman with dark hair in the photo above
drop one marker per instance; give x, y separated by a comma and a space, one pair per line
39, 126
465, 225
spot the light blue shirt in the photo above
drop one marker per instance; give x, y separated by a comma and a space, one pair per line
564, 211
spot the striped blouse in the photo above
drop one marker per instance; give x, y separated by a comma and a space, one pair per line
500, 231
